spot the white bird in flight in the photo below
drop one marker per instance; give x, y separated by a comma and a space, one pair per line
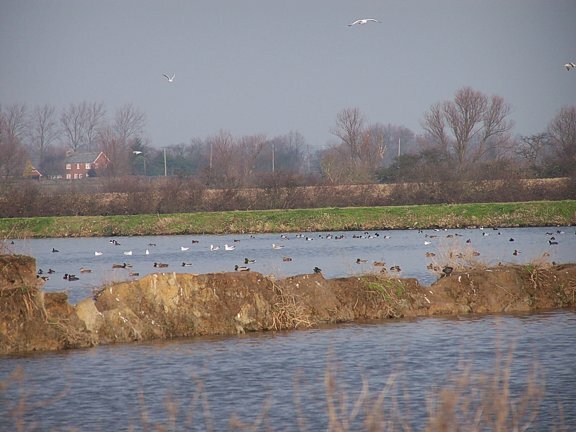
364, 21
569, 66
170, 79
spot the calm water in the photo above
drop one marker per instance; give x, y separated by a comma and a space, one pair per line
112, 387
334, 255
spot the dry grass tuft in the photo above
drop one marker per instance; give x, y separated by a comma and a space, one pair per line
453, 254
288, 312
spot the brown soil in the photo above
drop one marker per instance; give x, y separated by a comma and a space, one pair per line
168, 305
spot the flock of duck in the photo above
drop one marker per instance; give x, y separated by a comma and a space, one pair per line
244, 265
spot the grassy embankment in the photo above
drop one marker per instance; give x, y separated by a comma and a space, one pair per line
538, 213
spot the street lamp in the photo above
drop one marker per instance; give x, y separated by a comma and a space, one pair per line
139, 153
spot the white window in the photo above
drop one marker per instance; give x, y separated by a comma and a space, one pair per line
68, 176
77, 166
68, 166
75, 176
88, 166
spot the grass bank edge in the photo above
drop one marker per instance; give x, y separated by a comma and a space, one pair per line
513, 214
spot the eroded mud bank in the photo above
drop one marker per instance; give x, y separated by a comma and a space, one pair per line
168, 305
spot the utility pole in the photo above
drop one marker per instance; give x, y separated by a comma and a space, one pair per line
273, 151
165, 171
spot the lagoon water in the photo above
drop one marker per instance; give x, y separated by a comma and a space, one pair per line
211, 380
281, 374
335, 253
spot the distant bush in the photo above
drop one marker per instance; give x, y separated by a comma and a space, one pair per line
132, 195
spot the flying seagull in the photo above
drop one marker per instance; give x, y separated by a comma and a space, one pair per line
170, 79
363, 21
569, 66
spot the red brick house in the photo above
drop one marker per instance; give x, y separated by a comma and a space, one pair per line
82, 165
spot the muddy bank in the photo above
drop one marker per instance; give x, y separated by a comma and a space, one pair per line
169, 305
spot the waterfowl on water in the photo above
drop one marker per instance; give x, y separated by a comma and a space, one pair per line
241, 268
185, 264
360, 261
85, 270
229, 247
286, 259
248, 260
97, 253
55, 250
160, 265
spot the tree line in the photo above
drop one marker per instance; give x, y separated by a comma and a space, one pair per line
469, 137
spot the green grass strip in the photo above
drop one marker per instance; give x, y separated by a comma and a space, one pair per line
517, 214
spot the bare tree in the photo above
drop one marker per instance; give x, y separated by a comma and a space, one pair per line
43, 129
249, 149
13, 153
129, 122
334, 166
349, 128
284, 153
15, 121
562, 131
470, 127
361, 147
116, 150
372, 149
534, 150
221, 159
80, 124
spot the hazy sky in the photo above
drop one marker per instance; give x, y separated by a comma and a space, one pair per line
275, 66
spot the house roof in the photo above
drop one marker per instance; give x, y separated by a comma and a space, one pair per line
83, 157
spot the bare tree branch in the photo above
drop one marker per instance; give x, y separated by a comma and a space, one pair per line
477, 126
